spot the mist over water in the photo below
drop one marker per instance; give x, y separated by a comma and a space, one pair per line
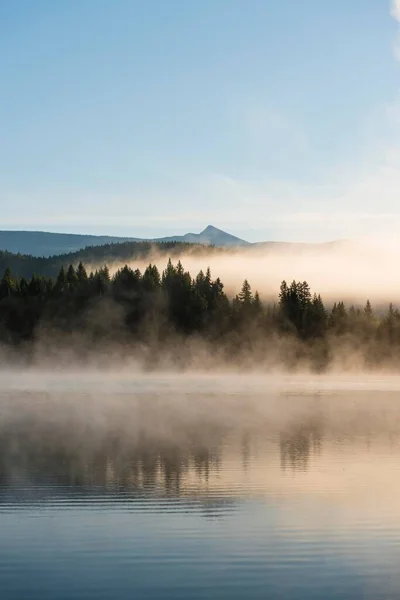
343, 270
198, 485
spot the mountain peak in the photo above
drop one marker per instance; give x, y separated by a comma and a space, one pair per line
214, 236
211, 229
210, 236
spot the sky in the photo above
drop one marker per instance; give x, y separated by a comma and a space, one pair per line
271, 119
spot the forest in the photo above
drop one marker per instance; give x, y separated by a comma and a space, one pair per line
25, 265
151, 312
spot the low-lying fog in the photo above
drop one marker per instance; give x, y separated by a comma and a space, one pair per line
171, 400
344, 270
192, 434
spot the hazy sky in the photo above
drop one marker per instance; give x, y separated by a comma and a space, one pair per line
272, 119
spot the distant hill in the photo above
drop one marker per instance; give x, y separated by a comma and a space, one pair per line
210, 236
40, 243
43, 243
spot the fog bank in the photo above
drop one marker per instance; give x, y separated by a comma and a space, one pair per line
344, 270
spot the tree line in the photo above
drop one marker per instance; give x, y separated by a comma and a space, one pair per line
24, 265
137, 307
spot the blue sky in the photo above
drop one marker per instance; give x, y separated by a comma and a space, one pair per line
271, 119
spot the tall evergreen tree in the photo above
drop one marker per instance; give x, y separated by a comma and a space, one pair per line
7, 284
368, 310
81, 273
245, 295
257, 304
61, 283
71, 277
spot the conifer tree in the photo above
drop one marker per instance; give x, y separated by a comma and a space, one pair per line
257, 303
245, 295
7, 284
71, 277
105, 274
81, 273
368, 310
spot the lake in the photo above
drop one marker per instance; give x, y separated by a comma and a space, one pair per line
196, 486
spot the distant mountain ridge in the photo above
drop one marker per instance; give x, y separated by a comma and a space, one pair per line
46, 244
41, 243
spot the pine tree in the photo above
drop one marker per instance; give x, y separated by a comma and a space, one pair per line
257, 304
245, 296
61, 282
316, 317
7, 284
81, 273
71, 277
368, 310
179, 269
23, 287
151, 278
105, 274
168, 275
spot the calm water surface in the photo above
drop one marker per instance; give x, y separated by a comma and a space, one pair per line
199, 487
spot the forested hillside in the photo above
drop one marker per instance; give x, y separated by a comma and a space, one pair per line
23, 265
